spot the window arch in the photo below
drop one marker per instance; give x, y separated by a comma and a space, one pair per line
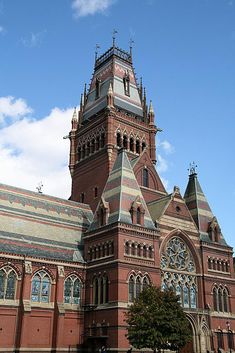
72, 290
41, 287
145, 177
131, 289
137, 146
119, 141
138, 215
175, 259
215, 298
143, 145
131, 144
8, 280
225, 300
101, 290
136, 284
125, 142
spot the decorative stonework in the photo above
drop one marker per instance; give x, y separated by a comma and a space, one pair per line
60, 270
28, 267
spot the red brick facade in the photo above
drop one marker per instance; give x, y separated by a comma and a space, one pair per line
69, 269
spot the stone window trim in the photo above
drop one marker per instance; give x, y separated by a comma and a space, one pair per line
100, 289
8, 283
72, 289
41, 285
221, 298
136, 283
131, 142
139, 250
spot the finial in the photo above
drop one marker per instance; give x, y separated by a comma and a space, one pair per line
141, 90
81, 103
110, 90
84, 94
151, 111
192, 168
96, 51
39, 187
114, 37
131, 42
74, 114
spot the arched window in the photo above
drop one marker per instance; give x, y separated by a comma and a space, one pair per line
102, 141
88, 151
133, 249
145, 177
79, 153
131, 289
97, 87
137, 146
138, 286
144, 251
138, 216
215, 298
125, 142
41, 286
220, 339
95, 291
127, 248
145, 282
150, 252
225, 300
119, 141
93, 145
105, 289
97, 143
143, 145
220, 299
82, 197
95, 192
178, 291
101, 290
7, 283
186, 296
72, 290
131, 144
138, 250
193, 296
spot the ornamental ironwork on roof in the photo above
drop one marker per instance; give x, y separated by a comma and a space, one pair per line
118, 52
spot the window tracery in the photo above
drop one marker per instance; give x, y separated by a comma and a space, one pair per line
136, 284
179, 272
41, 286
72, 290
7, 283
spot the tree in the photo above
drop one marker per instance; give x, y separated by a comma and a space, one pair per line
157, 321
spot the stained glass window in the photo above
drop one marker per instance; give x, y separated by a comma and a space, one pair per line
7, 283
131, 285
179, 272
41, 286
72, 290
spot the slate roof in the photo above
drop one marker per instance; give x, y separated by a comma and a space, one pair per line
120, 192
111, 67
199, 207
41, 226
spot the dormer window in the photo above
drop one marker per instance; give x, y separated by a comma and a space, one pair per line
137, 212
138, 215
97, 87
126, 82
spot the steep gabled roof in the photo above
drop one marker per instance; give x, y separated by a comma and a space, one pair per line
119, 194
199, 207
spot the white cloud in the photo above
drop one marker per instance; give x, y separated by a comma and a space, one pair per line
90, 7
34, 40
34, 150
12, 108
162, 165
166, 146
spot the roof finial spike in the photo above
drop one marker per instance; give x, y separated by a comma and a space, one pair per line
131, 42
141, 89
192, 168
151, 111
114, 37
74, 117
96, 51
81, 103
84, 94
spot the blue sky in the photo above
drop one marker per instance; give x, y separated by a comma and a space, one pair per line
185, 52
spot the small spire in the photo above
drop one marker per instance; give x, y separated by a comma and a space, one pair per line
81, 103
141, 89
110, 90
110, 96
192, 168
131, 42
151, 111
75, 117
114, 37
96, 51
84, 94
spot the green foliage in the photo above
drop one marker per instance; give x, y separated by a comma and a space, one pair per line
157, 321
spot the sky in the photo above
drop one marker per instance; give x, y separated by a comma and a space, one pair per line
183, 49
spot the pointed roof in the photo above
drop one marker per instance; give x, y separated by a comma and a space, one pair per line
113, 68
120, 193
198, 206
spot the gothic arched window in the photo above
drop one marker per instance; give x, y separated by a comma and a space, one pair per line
175, 259
72, 290
119, 141
220, 299
41, 287
95, 290
131, 144
225, 300
138, 216
131, 289
215, 298
7, 283
145, 177
143, 145
125, 143
137, 146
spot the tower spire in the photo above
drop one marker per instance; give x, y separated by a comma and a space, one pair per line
114, 37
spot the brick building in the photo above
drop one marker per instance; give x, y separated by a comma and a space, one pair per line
70, 268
